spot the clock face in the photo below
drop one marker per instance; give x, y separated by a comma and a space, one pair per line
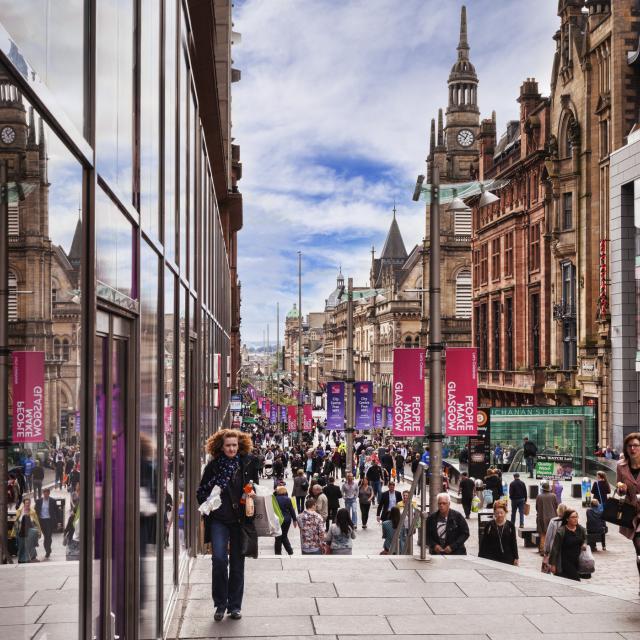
465, 138
8, 135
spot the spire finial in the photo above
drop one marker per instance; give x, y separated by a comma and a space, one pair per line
394, 208
432, 140
440, 129
463, 44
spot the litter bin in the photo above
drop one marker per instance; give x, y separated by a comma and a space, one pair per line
60, 502
576, 491
533, 491
484, 516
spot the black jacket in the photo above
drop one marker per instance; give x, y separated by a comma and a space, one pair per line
493, 484
54, 512
501, 549
333, 494
248, 472
595, 523
383, 505
530, 449
456, 533
517, 490
467, 489
286, 506
374, 473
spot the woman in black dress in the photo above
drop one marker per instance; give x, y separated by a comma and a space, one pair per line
499, 539
570, 540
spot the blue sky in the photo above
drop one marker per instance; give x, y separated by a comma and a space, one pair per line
332, 115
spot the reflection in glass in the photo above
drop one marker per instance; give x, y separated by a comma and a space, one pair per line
149, 371
150, 116
192, 190
115, 246
182, 150
170, 367
182, 397
50, 35
44, 251
170, 70
114, 93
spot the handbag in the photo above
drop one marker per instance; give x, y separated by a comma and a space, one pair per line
527, 508
586, 563
248, 540
617, 511
326, 549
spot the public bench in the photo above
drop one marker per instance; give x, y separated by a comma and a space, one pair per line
530, 536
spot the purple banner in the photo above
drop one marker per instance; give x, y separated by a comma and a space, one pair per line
377, 417
273, 414
364, 405
389, 421
283, 413
335, 405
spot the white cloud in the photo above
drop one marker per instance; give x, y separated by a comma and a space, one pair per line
332, 115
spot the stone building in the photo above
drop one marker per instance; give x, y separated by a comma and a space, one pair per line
510, 243
594, 104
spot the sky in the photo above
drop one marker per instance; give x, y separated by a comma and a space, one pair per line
332, 116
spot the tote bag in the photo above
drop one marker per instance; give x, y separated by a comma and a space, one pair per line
617, 511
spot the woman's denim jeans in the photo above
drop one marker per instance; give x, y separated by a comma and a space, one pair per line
227, 583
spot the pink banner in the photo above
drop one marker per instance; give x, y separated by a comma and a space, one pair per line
307, 417
408, 392
292, 418
167, 419
461, 392
28, 396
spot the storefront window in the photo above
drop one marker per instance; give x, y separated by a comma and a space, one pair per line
45, 454
183, 159
51, 36
170, 91
182, 418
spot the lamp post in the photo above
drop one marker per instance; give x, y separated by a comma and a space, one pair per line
299, 422
435, 345
349, 391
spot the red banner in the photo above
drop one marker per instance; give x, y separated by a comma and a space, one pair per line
167, 419
292, 417
408, 392
307, 418
28, 396
461, 392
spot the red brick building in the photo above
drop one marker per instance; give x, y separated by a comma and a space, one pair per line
510, 244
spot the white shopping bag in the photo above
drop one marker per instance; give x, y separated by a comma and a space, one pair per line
212, 503
265, 520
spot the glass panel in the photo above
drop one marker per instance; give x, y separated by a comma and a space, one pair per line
192, 193
150, 116
45, 454
114, 93
169, 421
182, 150
182, 415
149, 371
51, 37
170, 70
115, 246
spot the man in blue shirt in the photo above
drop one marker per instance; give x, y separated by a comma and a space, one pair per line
29, 464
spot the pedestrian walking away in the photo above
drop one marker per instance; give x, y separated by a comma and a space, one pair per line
311, 525
518, 497
333, 494
289, 514
530, 451
466, 490
231, 469
341, 534
546, 508
300, 489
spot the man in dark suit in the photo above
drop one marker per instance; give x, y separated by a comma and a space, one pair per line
49, 516
466, 490
333, 494
447, 529
388, 500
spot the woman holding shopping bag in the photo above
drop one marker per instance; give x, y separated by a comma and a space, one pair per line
231, 469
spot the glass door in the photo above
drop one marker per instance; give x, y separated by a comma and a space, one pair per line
114, 534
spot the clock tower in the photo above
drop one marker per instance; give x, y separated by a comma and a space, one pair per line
456, 151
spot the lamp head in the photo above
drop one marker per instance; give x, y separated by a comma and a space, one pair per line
487, 198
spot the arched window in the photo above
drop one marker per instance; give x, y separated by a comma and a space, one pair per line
13, 297
57, 348
408, 342
463, 294
416, 342
65, 350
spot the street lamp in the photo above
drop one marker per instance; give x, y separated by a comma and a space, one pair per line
453, 194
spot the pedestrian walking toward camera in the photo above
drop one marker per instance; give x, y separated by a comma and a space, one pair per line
466, 490
311, 525
26, 530
289, 514
232, 468
341, 534
447, 529
389, 500
389, 527
322, 502
552, 529
518, 497
546, 508
333, 494
350, 492
48, 516
499, 539
365, 497
38, 477
569, 541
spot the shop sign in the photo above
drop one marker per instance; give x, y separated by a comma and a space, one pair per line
307, 417
480, 445
461, 392
603, 299
535, 412
408, 392
335, 405
554, 467
236, 402
292, 417
28, 396
364, 405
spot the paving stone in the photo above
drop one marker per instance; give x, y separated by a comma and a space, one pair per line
255, 606
276, 577
371, 589
307, 590
19, 615
462, 624
488, 589
324, 637
262, 564
19, 631
9, 584
376, 606
597, 622
391, 575
451, 575
353, 625
16, 598
202, 591
439, 636
342, 563
276, 626
549, 588
504, 576
580, 604
506, 635
56, 613
441, 606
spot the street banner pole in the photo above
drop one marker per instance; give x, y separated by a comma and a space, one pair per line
350, 377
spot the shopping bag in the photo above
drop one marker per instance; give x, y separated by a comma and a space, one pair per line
212, 503
475, 504
619, 512
487, 494
249, 540
586, 563
527, 508
265, 519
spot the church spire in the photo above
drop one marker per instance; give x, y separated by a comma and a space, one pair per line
463, 44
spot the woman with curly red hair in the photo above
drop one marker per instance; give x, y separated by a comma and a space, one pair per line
231, 468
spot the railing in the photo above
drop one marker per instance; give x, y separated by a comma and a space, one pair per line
414, 517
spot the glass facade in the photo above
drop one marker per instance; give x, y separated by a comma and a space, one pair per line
118, 306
